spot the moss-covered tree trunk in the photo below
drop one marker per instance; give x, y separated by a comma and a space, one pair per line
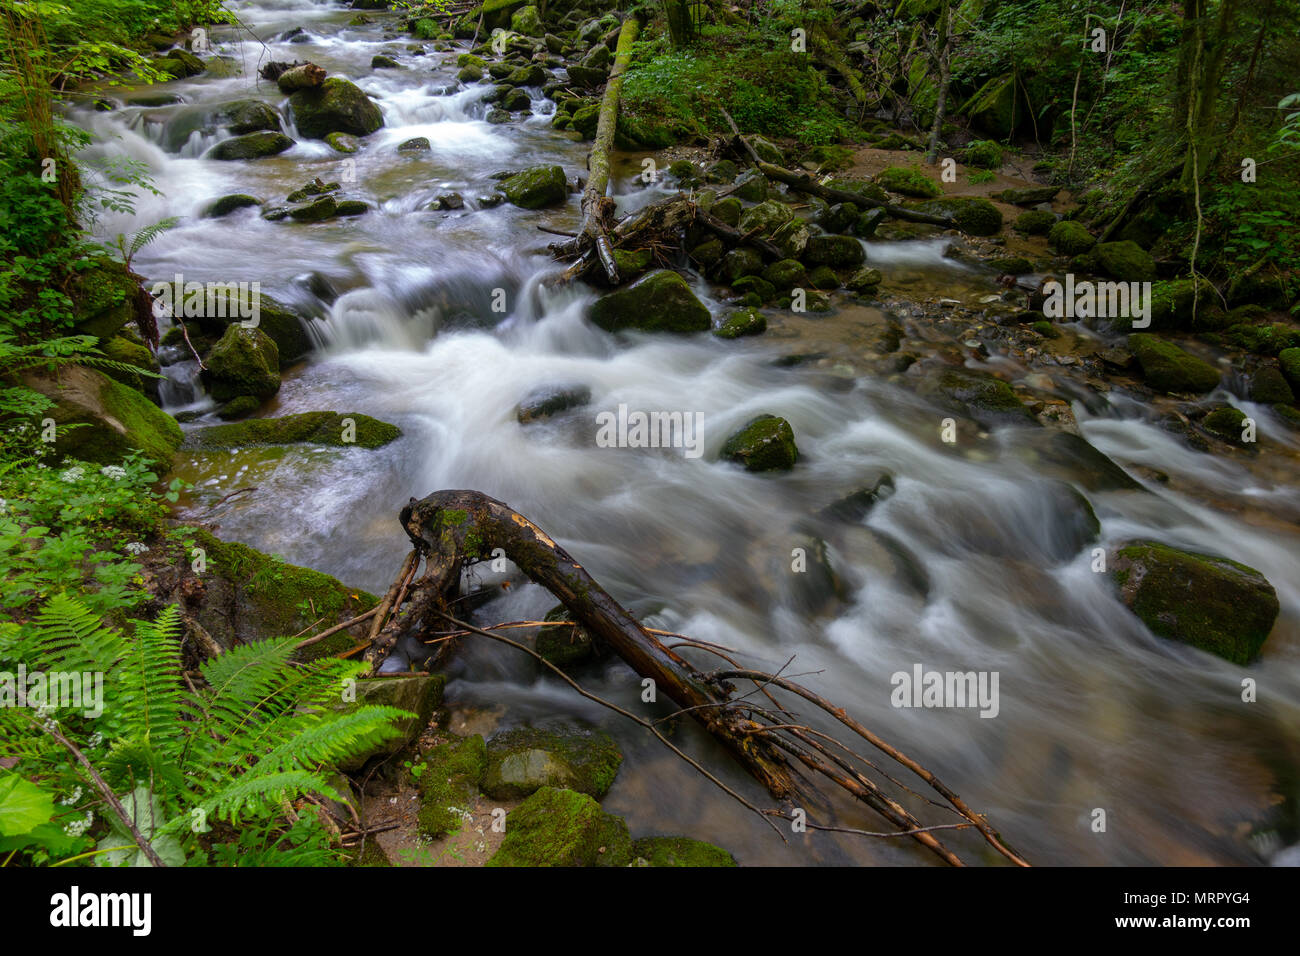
680, 26
943, 58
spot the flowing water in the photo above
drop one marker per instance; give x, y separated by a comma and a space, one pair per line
974, 563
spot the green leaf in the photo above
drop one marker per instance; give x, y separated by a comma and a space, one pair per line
23, 806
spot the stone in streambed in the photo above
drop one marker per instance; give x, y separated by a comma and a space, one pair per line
336, 106
526, 759
228, 204
1212, 603
679, 851
836, 251
419, 695
982, 396
416, 144
251, 146
113, 419
550, 400
351, 430
537, 187
765, 443
659, 302
449, 783
1168, 368
740, 323
244, 362
557, 827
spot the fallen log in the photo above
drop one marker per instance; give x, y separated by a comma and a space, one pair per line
596, 208
806, 184
304, 76
455, 529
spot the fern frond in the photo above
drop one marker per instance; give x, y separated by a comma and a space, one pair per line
71, 637
150, 694
254, 793
335, 738
148, 234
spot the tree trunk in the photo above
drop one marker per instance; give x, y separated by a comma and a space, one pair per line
680, 26
943, 45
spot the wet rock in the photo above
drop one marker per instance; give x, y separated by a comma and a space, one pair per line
823, 277
228, 204
524, 760
1269, 386
550, 400
498, 116
516, 100
865, 281
659, 302
599, 58
1168, 368
178, 63
742, 261
470, 73
416, 144
343, 142
785, 274
530, 75
767, 150
251, 146
420, 695
250, 116
1126, 261
528, 21
1070, 238
347, 430
336, 106
816, 589
564, 646
351, 207
764, 218
128, 350
982, 396
765, 443
762, 290
631, 262
975, 217
563, 828
837, 251
1035, 222
381, 62
855, 506
1289, 360
908, 181
1212, 603
708, 252
537, 187
449, 783
1225, 422
679, 851
740, 323
753, 187
244, 362
318, 210
791, 238
113, 419
1028, 195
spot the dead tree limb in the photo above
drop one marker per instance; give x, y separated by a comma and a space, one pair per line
455, 529
596, 208
806, 184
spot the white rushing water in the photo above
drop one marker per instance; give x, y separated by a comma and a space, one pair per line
975, 562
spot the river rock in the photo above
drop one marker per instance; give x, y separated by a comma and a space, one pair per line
1028, 195
679, 851
659, 302
1269, 386
244, 362
563, 828
550, 400
984, 397
1209, 602
765, 443
418, 694
449, 783
1126, 261
523, 760
528, 21
103, 297
251, 146
1069, 238
531, 75
785, 274
564, 646
838, 251
537, 187
381, 62
975, 217
347, 430
228, 204
739, 262
1168, 368
336, 106
764, 218
740, 323
856, 505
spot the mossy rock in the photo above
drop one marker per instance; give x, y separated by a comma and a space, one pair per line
759, 286
526, 759
1034, 222
994, 107
1125, 260
419, 695
823, 277
537, 187
563, 828
528, 21
1289, 360
753, 187
786, 274
336, 106
1210, 602
1028, 195
251, 146
792, 238
841, 252
103, 298
1168, 368
1269, 387
531, 75
728, 209
659, 302
131, 351
1183, 304
764, 218
1263, 339
650, 132
240, 407
631, 262
564, 646
740, 323
679, 851
1225, 422
767, 151
1069, 238
449, 784
586, 119
1012, 265
469, 59
250, 595
986, 154
381, 62
975, 217
228, 204
984, 397
244, 362
112, 419
909, 181
709, 252
865, 281
316, 428
343, 142
765, 443
1259, 288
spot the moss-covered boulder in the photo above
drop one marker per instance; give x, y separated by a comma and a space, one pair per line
531, 75
1209, 602
994, 107
103, 298
528, 21
244, 362
860, 187
764, 218
678, 851
112, 419
1126, 261
765, 443
1069, 238
1289, 362
840, 252
659, 302
537, 187
352, 430
984, 397
1182, 303
586, 119
1226, 423
973, 216
1034, 222
526, 759
336, 106
786, 274
1263, 339
129, 350
449, 784
865, 281
564, 644
274, 318
740, 323
548, 400
563, 828
225, 205
1269, 386
251, 146
417, 694
1168, 368
909, 181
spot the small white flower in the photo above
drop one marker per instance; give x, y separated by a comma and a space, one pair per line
137, 547
73, 475
95, 739
116, 472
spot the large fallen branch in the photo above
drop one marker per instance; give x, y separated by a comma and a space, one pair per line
455, 529
806, 184
596, 208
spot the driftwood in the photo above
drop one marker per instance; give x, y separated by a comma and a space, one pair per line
453, 530
302, 76
596, 207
